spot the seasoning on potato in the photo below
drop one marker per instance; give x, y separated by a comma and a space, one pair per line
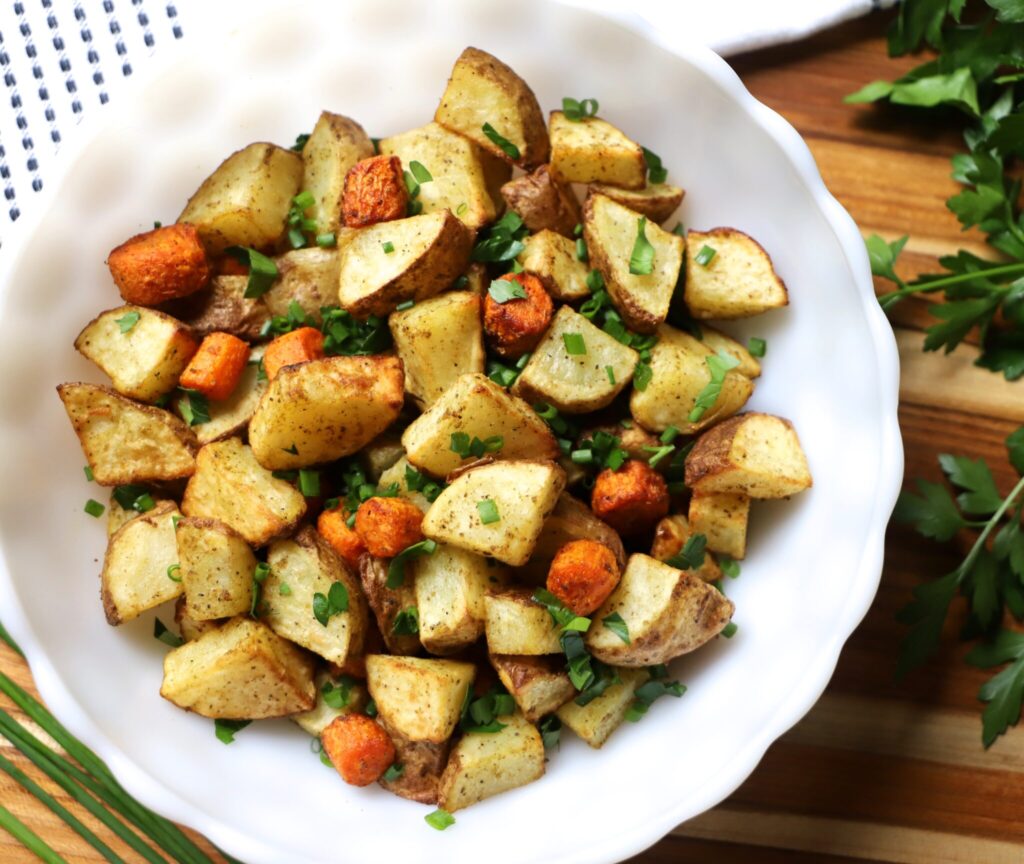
495, 399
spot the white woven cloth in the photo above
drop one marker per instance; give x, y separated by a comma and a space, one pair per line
64, 59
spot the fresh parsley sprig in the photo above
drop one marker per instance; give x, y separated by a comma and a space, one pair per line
969, 74
990, 577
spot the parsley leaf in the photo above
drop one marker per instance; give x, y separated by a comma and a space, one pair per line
225, 729
503, 290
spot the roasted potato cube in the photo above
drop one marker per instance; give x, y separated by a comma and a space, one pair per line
387, 604
217, 567
125, 441
596, 720
350, 693
679, 373
246, 200
543, 202
611, 231
668, 612
308, 566
570, 520
223, 308
232, 415
483, 764
737, 282
423, 764
460, 170
670, 537
576, 381
189, 627
242, 670
552, 257
515, 624
418, 699
375, 192
484, 92
144, 361
427, 253
308, 277
334, 146
514, 326
397, 474
497, 509
539, 684
325, 409
437, 341
450, 587
656, 201
757, 455
162, 264
476, 406
231, 486
722, 518
477, 279
716, 341
591, 150
380, 454
135, 576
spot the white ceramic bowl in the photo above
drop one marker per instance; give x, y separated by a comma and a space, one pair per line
831, 366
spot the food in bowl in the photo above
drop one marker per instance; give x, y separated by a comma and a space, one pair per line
431, 458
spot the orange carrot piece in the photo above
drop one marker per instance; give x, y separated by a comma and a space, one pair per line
299, 346
217, 366
333, 526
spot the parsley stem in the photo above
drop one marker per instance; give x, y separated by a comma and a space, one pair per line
968, 562
892, 297
28, 838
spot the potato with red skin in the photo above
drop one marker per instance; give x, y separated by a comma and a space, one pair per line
375, 192
516, 326
583, 574
388, 525
631, 499
333, 527
160, 265
358, 748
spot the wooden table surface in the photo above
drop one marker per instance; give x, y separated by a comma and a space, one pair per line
877, 771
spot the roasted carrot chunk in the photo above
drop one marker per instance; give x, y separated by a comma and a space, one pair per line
375, 191
160, 265
631, 499
388, 525
583, 574
217, 366
517, 325
299, 346
333, 526
358, 748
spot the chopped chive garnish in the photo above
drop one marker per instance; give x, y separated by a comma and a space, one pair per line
617, 625
334, 602
611, 375
420, 172
94, 508
574, 343
506, 146
462, 209
757, 346
284, 589
439, 819
161, 632
304, 200
705, 255
262, 271
669, 435
729, 630
309, 482
578, 109
128, 320
679, 230
174, 572
88, 473
641, 262
300, 141
396, 569
388, 247
503, 290
656, 172
658, 454
581, 249
394, 772
582, 457
488, 511
225, 729
719, 365
407, 622
327, 240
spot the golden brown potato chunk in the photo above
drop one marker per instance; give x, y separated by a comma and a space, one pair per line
484, 94
375, 192
729, 275
722, 518
656, 201
543, 202
592, 150
159, 265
